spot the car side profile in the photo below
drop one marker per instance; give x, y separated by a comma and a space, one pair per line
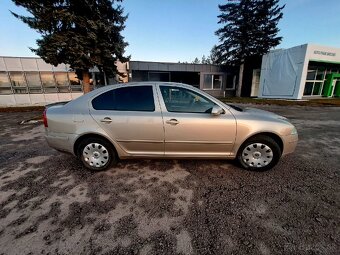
165, 120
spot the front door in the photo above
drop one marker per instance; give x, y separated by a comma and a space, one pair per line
190, 128
132, 118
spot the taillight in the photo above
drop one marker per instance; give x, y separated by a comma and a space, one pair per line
45, 118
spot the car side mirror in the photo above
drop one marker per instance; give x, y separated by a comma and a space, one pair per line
216, 110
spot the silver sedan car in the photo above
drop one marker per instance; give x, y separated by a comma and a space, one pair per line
165, 120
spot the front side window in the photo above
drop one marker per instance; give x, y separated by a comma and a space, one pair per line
178, 99
137, 98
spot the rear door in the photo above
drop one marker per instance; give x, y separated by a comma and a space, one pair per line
190, 128
131, 116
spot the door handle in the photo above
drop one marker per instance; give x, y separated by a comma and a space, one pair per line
172, 122
106, 120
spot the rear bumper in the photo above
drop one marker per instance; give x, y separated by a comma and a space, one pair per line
60, 141
289, 144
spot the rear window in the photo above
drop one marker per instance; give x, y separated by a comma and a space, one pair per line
137, 98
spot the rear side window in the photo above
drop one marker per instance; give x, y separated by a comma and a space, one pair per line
137, 98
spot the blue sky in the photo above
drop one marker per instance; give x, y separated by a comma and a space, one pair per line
180, 30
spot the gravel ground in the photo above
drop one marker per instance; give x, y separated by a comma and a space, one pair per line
49, 204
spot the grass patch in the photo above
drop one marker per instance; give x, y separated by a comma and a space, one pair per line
311, 102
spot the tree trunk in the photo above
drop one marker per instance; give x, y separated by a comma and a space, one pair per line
240, 80
86, 81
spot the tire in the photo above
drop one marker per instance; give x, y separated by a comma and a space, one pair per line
259, 153
97, 154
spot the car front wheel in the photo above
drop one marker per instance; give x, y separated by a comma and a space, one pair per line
96, 154
259, 153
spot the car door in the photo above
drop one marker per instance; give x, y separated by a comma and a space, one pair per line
190, 128
131, 116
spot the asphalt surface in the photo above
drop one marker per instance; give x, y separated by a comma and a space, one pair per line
49, 204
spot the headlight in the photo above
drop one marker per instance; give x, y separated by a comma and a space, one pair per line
282, 118
294, 131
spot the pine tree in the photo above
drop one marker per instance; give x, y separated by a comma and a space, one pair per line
268, 15
80, 33
196, 61
249, 29
203, 60
213, 57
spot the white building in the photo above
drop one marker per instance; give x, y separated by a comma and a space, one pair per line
304, 71
31, 81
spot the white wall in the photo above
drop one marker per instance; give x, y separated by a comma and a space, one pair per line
281, 72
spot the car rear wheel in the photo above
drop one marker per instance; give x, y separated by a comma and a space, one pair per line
259, 153
97, 154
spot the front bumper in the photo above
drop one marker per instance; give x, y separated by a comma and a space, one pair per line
289, 144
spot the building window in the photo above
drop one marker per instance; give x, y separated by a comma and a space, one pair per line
18, 82
159, 76
5, 84
75, 82
317, 88
48, 82
332, 70
231, 81
33, 82
207, 84
320, 75
315, 79
62, 82
311, 74
308, 88
212, 81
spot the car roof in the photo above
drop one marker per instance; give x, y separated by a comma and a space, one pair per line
149, 83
